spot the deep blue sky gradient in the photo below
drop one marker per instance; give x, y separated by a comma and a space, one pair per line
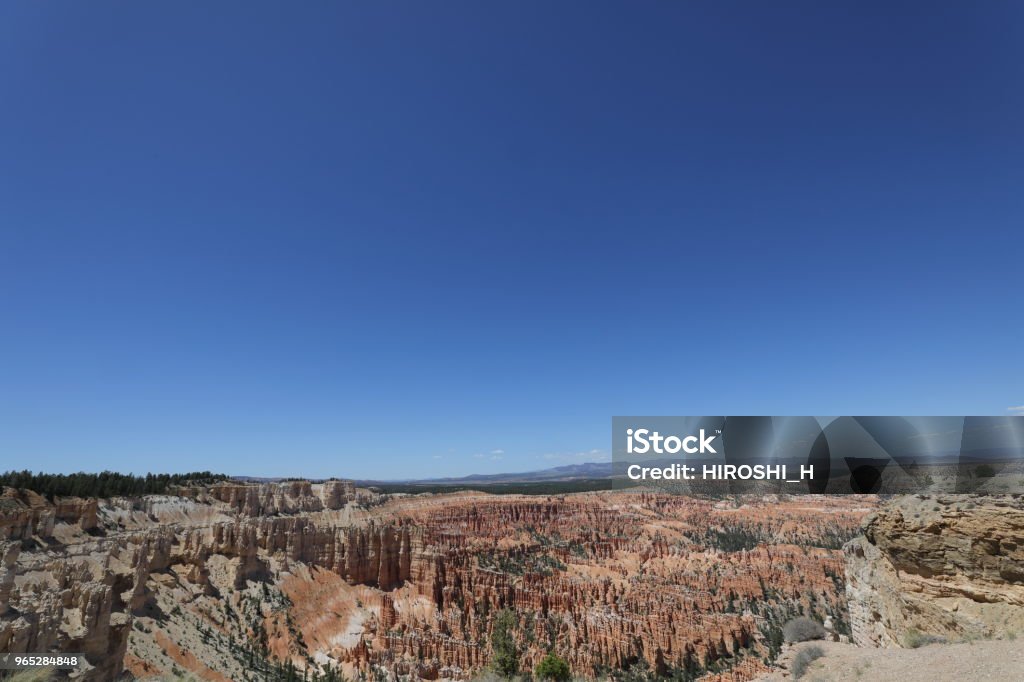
390, 239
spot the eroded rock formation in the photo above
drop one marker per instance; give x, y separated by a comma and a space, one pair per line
229, 581
288, 497
950, 566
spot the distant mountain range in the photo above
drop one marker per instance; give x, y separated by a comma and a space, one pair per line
569, 472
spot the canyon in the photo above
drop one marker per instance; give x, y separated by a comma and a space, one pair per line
236, 581
244, 581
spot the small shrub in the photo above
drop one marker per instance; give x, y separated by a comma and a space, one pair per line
804, 658
914, 639
984, 471
973, 636
802, 629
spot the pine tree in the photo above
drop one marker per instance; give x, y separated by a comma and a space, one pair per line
505, 658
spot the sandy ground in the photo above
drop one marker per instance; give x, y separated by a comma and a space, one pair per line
996, 660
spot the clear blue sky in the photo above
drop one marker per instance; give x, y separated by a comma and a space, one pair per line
390, 239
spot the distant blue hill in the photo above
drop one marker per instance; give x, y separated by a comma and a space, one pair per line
569, 472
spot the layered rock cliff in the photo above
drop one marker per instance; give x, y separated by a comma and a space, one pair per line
950, 566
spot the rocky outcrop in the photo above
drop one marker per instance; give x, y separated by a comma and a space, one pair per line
24, 514
951, 566
79, 511
73, 604
287, 497
335, 494
8, 556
